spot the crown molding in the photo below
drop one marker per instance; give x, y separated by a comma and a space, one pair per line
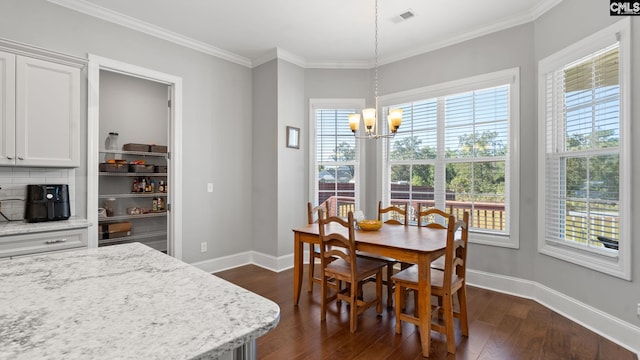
41, 53
355, 64
149, 29
277, 53
543, 7
523, 18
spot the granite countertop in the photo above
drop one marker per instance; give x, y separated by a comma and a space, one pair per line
23, 227
123, 301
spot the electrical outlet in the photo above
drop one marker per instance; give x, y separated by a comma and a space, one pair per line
203, 247
209, 187
638, 309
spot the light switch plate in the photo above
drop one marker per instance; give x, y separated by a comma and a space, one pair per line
203, 247
209, 187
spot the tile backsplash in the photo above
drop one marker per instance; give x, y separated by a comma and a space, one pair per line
13, 187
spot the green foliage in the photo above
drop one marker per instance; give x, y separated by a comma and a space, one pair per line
343, 152
597, 174
484, 179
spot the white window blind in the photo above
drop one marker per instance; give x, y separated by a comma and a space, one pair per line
584, 165
454, 151
582, 151
335, 159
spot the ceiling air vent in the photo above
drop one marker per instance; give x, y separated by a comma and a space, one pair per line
407, 15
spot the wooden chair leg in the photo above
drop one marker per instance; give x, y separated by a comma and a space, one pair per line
323, 300
389, 286
399, 300
448, 323
462, 301
353, 311
379, 292
312, 262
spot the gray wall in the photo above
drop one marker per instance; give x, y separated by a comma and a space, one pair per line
523, 46
265, 159
216, 148
554, 31
291, 162
502, 50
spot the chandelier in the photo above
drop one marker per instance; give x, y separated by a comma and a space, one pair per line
370, 115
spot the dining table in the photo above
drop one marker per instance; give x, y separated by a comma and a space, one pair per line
409, 244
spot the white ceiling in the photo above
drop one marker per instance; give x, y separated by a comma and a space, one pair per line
314, 33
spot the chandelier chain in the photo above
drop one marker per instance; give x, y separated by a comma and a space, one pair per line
375, 65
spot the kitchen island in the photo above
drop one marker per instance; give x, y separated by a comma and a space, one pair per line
125, 301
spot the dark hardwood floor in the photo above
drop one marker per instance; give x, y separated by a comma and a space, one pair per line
500, 327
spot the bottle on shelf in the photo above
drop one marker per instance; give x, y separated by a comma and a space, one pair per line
111, 143
143, 186
154, 206
161, 186
152, 186
134, 187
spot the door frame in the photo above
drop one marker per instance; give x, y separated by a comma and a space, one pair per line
97, 63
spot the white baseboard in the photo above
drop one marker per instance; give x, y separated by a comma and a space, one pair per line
605, 325
621, 332
225, 262
269, 262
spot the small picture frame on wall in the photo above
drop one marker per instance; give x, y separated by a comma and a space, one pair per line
293, 137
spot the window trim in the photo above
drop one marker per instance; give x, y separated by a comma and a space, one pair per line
620, 265
347, 103
509, 77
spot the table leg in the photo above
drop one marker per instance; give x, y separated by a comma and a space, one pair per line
246, 352
424, 308
297, 267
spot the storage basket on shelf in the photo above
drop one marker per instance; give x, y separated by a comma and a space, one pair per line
158, 148
114, 167
141, 168
136, 147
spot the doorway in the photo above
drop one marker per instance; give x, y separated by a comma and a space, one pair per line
134, 214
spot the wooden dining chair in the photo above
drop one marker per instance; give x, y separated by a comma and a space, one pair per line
398, 217
444, 285
313, 213
429, 218
340, 263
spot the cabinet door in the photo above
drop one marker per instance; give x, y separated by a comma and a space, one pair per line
47, 113
7, 108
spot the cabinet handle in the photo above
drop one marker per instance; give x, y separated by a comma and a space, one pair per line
20, 158
10, 157
55, 241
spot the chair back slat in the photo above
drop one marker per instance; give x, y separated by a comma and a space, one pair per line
335, 244
398, 214
428, 218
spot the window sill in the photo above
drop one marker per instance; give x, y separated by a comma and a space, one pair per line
499, 240
602, 261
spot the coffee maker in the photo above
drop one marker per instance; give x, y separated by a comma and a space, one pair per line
47, 203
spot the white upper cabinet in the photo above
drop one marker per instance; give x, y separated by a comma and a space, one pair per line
40, 113
7, 108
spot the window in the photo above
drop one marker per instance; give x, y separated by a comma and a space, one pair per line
583, 161
335, 158
455, 151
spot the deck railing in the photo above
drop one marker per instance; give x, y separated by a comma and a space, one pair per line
492, 216
482, 215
